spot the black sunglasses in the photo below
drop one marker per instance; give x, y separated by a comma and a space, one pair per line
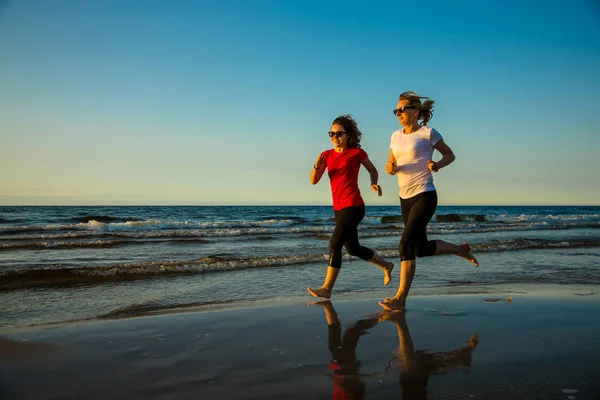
337, 134
398, 111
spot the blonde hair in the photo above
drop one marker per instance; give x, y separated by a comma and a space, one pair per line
425, 107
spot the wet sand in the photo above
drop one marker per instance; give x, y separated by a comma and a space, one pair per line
542, 344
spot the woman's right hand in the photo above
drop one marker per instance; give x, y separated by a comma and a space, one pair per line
390, 167
319, 161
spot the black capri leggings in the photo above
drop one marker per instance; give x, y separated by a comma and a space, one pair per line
346, 234
417, 211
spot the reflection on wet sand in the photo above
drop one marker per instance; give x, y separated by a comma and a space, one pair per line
348, 382
414, 366
13, 351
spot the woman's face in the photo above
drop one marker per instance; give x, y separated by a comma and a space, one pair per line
409, 114
338, 136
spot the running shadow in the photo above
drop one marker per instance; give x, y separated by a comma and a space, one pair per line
416, 366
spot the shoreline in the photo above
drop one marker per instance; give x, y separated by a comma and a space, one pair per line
543, 343
496, 291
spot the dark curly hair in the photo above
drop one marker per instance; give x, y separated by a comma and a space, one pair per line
351, 128
425, 108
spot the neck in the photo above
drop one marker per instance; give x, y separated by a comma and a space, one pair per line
339, 149
412, 128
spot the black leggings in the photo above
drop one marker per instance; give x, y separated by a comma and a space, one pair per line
417, 211
344, 362
343, 349
346, 234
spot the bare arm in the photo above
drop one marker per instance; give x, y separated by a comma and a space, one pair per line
373, 174
391, 165
447, 156
318, 170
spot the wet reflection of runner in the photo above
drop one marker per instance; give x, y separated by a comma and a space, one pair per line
348, 382
417, 366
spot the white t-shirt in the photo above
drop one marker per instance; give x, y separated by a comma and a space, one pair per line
413, 152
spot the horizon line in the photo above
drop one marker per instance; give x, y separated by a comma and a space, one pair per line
288, 205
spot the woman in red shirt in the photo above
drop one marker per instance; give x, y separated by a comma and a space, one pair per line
343, 163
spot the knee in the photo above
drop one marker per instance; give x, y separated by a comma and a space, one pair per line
420, 250
334, 248
407, 250
353, 250
425, 249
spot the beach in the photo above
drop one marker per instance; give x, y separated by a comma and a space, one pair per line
181, 180
211, 302
70, 264
531, 342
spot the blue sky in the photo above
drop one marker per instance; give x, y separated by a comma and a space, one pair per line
229, 102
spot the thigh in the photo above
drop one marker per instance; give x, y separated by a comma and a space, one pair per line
343, 224
421, 212
405, 206
354, 216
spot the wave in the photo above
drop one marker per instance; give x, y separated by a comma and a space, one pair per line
98, 218
72, 275
103, 225
61, 245
93, 244
516, 245
33, 240
173, 233
461, 218
20, 279
105, 219
132, 225
534, 244
441, 218
49, 236
9, 221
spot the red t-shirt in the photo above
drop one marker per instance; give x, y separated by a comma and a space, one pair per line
343, 173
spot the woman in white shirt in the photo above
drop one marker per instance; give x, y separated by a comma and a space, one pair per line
411, 151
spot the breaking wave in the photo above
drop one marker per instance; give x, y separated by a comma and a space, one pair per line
27, 278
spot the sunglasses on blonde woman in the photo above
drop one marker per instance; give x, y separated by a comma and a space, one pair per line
337, 134
398, 111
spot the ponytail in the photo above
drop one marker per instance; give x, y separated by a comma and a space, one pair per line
425, 107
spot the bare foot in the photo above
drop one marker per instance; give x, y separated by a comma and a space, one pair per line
386, 316
387, 270
322, 303
393, 304
320, 292
465, 252
473, 341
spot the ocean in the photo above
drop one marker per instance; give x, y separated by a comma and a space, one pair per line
65, 264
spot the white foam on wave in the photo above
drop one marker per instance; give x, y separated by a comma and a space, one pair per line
372, 221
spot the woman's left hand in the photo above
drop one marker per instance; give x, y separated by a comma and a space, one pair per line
433, 166
376, 188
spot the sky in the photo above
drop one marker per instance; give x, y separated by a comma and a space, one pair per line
174, 102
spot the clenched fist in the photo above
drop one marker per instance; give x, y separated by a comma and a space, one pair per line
433, 166
376, 188
390, 167
319, 161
